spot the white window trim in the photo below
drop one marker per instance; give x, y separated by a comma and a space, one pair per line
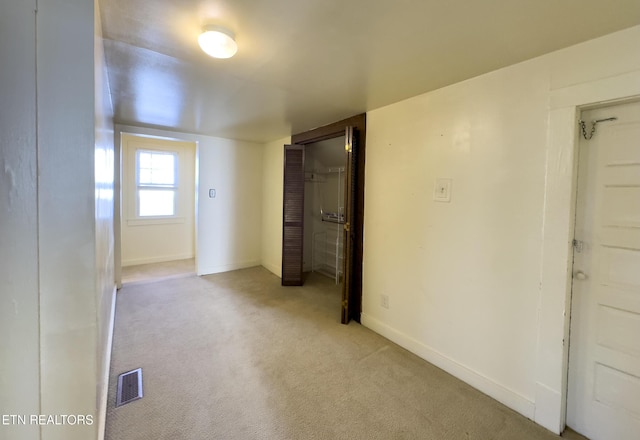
154, 219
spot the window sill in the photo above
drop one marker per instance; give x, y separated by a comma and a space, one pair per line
155, 221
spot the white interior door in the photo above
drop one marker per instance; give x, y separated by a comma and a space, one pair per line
603, 401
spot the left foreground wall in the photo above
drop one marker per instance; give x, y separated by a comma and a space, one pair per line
56, 239
104, 219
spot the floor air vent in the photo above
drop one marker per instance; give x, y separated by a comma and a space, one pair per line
129, 387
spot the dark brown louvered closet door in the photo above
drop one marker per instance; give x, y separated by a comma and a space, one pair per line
293, 215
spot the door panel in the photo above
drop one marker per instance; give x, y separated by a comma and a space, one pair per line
604, 359
617, 389
293, 215
613, 324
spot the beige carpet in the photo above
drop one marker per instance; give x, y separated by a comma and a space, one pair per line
168, 269
237, 356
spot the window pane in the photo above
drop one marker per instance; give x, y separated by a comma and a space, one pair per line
156, 168
162, 160
156, 202
144, 160
163, 175
144, 176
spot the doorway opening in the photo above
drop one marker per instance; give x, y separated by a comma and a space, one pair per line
604, 354
353, 131
324, 208
157, 230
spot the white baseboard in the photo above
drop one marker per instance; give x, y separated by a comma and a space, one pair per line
102, 409
482, 383
208, 270
161, 259
549, 408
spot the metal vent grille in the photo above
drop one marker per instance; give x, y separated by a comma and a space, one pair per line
129, 387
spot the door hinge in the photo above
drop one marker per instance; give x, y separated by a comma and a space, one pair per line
578, 245
347, 227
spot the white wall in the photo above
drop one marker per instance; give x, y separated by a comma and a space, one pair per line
462, 277
66, 214
104, 215
19, 298
272, 187
229, 234
55, 196
228, 227
152, 240
478, 285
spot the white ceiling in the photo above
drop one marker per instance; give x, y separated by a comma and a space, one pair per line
306, 63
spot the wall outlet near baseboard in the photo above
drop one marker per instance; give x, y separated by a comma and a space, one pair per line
384, 301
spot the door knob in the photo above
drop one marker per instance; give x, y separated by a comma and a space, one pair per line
580, 275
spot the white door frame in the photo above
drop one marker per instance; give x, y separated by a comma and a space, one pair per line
552, 355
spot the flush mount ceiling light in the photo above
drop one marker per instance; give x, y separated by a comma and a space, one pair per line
217, 41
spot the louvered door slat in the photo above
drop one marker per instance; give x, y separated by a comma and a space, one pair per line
293, 215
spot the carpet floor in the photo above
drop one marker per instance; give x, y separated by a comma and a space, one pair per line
236, 356
142, 273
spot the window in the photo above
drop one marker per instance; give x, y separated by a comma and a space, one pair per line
156, 183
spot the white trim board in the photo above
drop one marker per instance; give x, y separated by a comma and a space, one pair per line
482, 383
102, 409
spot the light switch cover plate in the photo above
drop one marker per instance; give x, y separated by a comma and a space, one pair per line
442, 190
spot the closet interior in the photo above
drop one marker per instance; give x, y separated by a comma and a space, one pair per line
324, 180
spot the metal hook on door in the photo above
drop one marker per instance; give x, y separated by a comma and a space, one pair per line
593, 126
